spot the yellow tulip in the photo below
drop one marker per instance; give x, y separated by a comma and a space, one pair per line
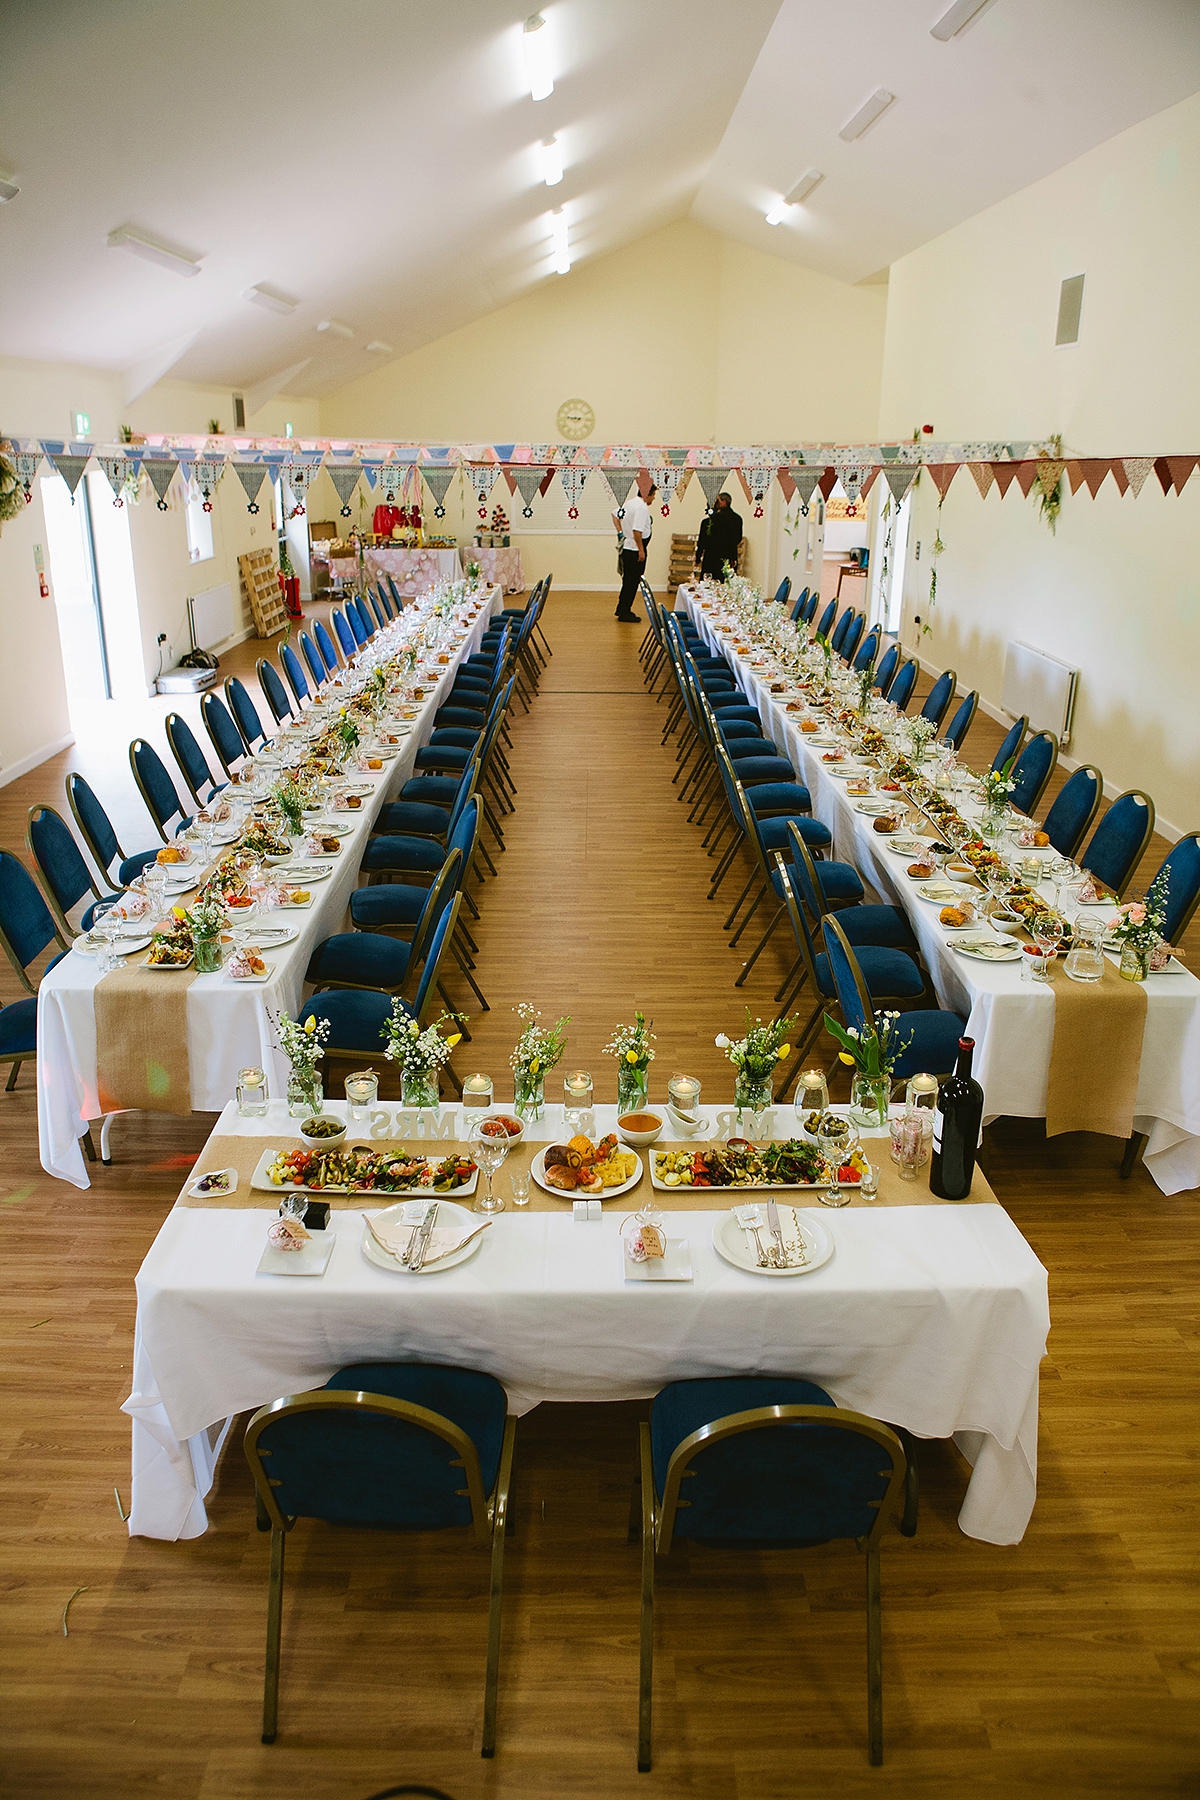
310, 1024
783, 1052
454, 1038
848, 1060
631, 1056
534, 1066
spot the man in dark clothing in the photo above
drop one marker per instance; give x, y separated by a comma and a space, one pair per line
635, 524
720, 535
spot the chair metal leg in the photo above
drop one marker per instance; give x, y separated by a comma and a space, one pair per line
758, 900
646, 1658
274, 1632
499, 1532
908, 1521
739, 902
483, 851
1135, 1144
874, 1662
105, 1130
11, 1083
470, 980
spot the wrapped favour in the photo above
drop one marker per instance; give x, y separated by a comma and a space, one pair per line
245, 965
319, 844
286, 1234
347, 803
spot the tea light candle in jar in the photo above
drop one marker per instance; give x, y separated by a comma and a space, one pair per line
577, 1089
685, 1092
477, 1090
252, 1093
921, 1095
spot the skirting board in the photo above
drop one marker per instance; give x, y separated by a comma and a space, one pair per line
15, 770
1164, 827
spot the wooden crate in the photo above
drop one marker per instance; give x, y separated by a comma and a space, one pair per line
683, 557
260, 584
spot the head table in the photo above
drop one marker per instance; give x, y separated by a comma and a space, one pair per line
1011, 1020
931, 1316
227, 1021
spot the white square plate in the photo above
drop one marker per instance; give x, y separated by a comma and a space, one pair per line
676, 1265
311, 1259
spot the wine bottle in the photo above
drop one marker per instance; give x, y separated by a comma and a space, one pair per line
956, 1127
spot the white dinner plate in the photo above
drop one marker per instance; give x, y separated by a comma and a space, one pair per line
270, 937
737, 1246
984, 946
537, 1169
125, 946
300, 870
875, 809
251, 980
851, 771
448, 1214
907, 846
945, 893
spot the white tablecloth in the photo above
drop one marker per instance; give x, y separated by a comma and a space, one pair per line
412, 570
1012, 1021
932, 1317
227, 1023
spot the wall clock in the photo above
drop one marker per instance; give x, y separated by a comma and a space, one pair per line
575, 420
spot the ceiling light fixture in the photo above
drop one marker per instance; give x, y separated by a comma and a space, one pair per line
866, 115
8, 189
377, 347
778, 213
536, 43
811, 179
335, 328
265, 296
552, 162
124, 239
957, 19
562, 245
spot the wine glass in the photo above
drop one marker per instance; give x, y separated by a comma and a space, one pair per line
1047, 931
489, 1152
103, 932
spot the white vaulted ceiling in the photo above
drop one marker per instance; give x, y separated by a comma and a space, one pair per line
378, 161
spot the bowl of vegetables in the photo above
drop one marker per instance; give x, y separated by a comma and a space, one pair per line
322, 1131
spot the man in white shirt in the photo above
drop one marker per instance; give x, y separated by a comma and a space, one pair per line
635, 524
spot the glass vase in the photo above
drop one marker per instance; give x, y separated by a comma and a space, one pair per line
419, 1088
870, 1096
751, 1094
208, 954
529, 1094
305, 1094
1135, 963
632, 1087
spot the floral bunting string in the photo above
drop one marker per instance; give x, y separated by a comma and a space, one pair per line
25, 463
573, 480
483, 480
119, 471
666, 478
345, 478
984, 478
438, 482
206, 475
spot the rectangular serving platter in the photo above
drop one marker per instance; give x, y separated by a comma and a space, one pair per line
742, 1187
261, 1181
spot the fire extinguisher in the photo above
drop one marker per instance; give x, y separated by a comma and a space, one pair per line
43, 585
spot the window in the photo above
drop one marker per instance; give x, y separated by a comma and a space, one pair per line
199, 532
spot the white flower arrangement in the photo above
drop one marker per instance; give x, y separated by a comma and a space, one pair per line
419, 1052
631, 1044
303, 1045
538, 1049
756, 1054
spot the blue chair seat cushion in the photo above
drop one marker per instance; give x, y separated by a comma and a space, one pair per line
132, 866
761, 769
432, 790
745, 749
745, 732
356, 1019
774, 832
443, 756
454, 737
838, 880
780, 796
876, 925
414, 816
934, 1047
460, 716
388, 903
360, 958
726, 711
475, 1402
18, 1028
888, 974
397, 853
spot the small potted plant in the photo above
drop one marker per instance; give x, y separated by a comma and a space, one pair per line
873, 1054
1137, 928
755, 1058
631, 1045
420, 1054
538, 1050
304, 1046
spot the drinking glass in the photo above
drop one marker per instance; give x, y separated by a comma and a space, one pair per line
518, 1186
154, 885
362, 1091
908, 1144
253, 1094
812, 1094
103, 933
489, 1153
1047, 933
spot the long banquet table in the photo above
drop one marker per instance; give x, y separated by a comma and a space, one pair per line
1012, 1021
932, 1316
227, 1022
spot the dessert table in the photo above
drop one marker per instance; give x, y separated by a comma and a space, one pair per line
498, 565
930, 1315
1011, 1020
227, 1021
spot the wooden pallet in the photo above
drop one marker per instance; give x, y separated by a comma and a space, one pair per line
260, 584
683, 557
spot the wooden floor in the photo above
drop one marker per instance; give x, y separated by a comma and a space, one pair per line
1066, 1665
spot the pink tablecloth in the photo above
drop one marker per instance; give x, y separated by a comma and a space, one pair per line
413, 570
500, 567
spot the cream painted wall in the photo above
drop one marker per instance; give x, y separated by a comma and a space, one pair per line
970, 347
34, 722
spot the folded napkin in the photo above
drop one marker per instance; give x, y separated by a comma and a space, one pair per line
395, 1239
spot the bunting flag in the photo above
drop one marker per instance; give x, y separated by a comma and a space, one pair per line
805, 480
389, 478
685, 476
438, 482
206, 475
25, 462
870, 477
787, 485
730, 456
345, 478
703, 456
1026, 476
984, 478
251, 476
1173, 472
483, 480
900, 477
942, 474
118, 470
71, 469
624, 456
538, 452
756, 480
547, 478
1006, 474
621, 483
1049, 473
851, 479
827, 482
606, 486
572, 482
528, 482
299, 478
712, 481
666, 477
595, 454
161, 473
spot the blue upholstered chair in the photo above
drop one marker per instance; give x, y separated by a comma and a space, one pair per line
293, 669
761, 838
357, 1017
410, 1446
1182, 863
223, 733
1075, 806
868, 650
933, 1036
95, 828
312, 656
783, 591
27, 927
375, 960
810, 610
359, 622
245, 714
770, 1462
274, 692
377, 608
853, 633
1011, 743
325, 645
821, 891
197, 776
345, 636
157, 789
799, 606
938, 699
964, 714
841, 628
900, 691
826, 619
65, 877
395, 906
1032, 771
886, 668
397, 596
1120, 839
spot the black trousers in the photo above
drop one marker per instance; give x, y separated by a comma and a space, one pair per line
632, 569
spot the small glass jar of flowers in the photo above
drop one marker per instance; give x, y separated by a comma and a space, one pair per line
632, 1045
304, 1046
996, 785
206, 920
1137, 928
873, 1054
420, 1054
755, 1058
538, 1050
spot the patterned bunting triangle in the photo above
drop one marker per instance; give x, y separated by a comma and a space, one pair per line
483, 480
712, 481
900, 477
942, 474
538, 452
1096, 470
251, 476
299, 477
805, 481
438, 482
870, 477
345, 478
25, 462
206, 475
161, 472
118, 470
528, 482
1173, 472
666, 478
595, 454
828, 482
851, 478
621, 483
71, 469
1006, 474
1026, 476
572, 480
677, 456
984, 478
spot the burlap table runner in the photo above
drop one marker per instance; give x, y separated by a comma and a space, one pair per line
141, 1039
244, 1153
1096, 1056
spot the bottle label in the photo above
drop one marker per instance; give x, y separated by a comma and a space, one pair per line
937, 1130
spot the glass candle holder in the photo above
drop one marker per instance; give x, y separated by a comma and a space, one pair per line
577, 1090
812, 1093
684, 1092
477, 1091
253, 1095
362, 1091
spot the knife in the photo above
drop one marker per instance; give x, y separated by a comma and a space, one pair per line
776, 1233
418, 1255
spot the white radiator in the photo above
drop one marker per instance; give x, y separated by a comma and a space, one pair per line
1040, 686
213, 616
